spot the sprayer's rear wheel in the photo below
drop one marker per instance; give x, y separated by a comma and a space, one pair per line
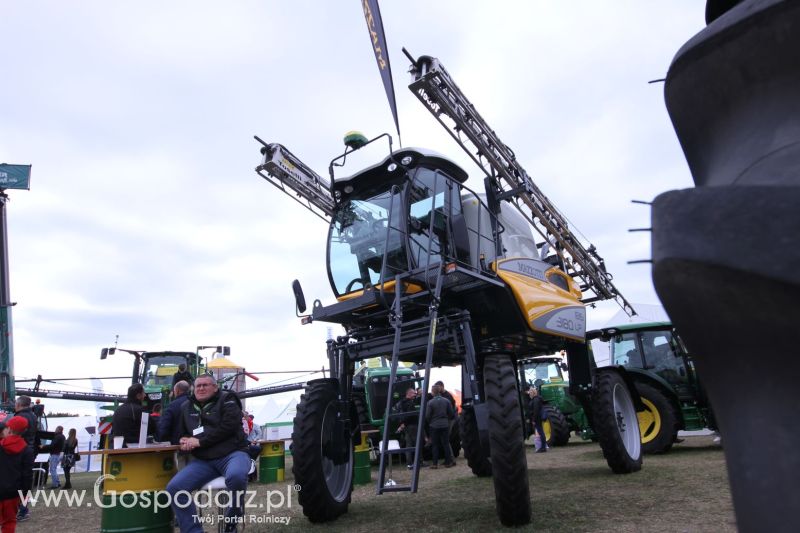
506, 441
477, 458
615, 423
325, 486
455, 439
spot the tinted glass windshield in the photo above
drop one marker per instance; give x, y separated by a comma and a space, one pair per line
361, 233
159, 370
542, 372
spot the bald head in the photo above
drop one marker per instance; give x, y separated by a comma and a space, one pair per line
180, 388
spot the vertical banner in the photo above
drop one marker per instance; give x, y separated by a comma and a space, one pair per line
372, 14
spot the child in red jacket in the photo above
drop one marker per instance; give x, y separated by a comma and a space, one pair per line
16, 463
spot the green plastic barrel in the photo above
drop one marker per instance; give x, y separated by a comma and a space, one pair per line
272, 464
135, 512
362, 470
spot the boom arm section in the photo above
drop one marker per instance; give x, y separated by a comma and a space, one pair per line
283, 169
441, 96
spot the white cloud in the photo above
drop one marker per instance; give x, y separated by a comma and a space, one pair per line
145, 218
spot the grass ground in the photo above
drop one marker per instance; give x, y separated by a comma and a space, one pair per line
572, 489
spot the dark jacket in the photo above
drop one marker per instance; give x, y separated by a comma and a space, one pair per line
70, 448
56, 445
127, 420
535, 406
16, 465
33, 425
407, 406
182, 376
169, 425
221, 421
439, 412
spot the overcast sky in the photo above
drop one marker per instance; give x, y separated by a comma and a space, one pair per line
146, 220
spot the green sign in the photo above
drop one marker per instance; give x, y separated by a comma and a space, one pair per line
15, 176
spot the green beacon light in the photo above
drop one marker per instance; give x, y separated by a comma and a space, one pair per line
354, 140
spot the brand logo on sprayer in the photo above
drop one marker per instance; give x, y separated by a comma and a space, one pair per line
435, 106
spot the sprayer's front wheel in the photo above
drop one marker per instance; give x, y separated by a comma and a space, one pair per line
506, 441
322, 454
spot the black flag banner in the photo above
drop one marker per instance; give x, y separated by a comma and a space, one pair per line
372, 14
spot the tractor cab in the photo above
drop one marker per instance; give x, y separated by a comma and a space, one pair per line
543, 370
401, 214
159, 367
654, 348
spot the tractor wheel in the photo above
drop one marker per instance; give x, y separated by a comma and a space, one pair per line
357, 397
615, 423
325, 485
506, 441
477, 458
658, 423
455, 439
556, 427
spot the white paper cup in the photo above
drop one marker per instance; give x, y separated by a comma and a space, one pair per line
118, 442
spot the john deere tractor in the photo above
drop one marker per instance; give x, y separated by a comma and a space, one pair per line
665, 377
563, 412
427, 270
369, 394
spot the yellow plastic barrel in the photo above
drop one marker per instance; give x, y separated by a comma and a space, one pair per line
362, 470
134, 500
272, 463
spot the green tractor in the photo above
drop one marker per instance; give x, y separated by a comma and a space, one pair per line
664, 375
369, 395
154, 370
563, 412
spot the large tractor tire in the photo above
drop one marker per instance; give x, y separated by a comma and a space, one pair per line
477, 458
556, 427
455, 439
325, 486
506, 441
658, 423
615, 422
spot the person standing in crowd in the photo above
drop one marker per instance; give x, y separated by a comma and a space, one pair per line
16, 465
438, 414
535, 406
169, 427
56, 448
70, 456
446, 394
247, 424
182, 375
22, 407
408, 423
255, 434
127, 418
254, 448
211, 422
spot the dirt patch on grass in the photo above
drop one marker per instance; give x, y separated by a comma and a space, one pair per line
572, 489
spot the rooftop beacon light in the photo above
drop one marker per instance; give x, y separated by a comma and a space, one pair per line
354, 140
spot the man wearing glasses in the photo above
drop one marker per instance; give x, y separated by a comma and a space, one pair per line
211, 425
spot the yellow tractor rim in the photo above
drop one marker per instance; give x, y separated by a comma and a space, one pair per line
649, 421
548, 431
